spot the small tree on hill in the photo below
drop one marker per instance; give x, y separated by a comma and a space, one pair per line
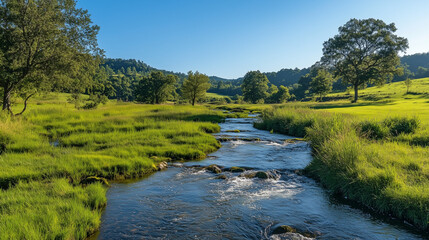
364, 51
155, 88
195, 86
321, 84
254, 87
408, 84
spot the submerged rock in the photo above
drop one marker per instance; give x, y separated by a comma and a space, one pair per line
162, 165
237, 169
261, 174
177, 164
248, 174
288, 231
214, 168
222, 177
284, 229
235, 131
294, 140
289, 236
94, 179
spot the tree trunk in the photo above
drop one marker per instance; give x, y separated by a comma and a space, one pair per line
6, 99
193, 101
356, 93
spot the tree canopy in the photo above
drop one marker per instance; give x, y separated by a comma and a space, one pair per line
364, 51
279, 95
155, 88
43, 44
195, 86
254, 87
321, 84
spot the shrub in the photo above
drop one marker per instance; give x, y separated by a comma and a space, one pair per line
401, 125
373, 130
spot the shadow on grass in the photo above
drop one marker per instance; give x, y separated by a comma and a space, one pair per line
349, 105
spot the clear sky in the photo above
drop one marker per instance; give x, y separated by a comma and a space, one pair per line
228, 38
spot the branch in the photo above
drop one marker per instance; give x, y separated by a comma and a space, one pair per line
25, 105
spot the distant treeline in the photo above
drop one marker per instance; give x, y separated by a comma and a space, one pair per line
123, 75
298, 80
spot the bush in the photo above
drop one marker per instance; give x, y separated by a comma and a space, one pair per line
401, 125
373, 130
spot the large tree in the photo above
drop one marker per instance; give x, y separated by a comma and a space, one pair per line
321, 84
155, 88
254, 87
365, 51
195, 86
45, 44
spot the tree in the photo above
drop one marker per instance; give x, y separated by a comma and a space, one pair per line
195, 86
408, 83
254, 87
422, 72
364, 51
155, 88
321, 84
273, 89
280, 96
45, 43
99, 91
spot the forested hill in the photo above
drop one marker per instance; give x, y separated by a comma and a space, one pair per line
286, 76
125, 73
132, 67
417, 63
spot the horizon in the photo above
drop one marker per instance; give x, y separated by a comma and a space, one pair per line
227, 39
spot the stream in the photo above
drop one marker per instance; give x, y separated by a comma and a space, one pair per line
188, 202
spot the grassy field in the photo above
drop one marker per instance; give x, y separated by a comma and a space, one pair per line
388, 100
49, 154
374, 152
215, 95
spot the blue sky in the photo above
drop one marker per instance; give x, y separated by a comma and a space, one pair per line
228, 38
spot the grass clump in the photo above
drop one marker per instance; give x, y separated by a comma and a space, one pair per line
401, 125
373, 130
50, 210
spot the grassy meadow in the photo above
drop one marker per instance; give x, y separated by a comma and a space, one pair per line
50, 155
374, 152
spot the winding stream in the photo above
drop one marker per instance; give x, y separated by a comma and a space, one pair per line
185, 202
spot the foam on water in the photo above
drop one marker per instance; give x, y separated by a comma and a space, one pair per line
255, 189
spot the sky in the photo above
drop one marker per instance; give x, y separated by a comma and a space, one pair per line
227, 38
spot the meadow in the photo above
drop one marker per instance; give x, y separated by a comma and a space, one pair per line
51, 156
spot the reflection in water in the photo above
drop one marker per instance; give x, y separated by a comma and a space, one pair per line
189, 203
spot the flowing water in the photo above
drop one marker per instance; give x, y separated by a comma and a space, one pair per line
185, 202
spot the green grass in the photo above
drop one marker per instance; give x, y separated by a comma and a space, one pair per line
386, 101
50, 210
215, 95
55, 146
